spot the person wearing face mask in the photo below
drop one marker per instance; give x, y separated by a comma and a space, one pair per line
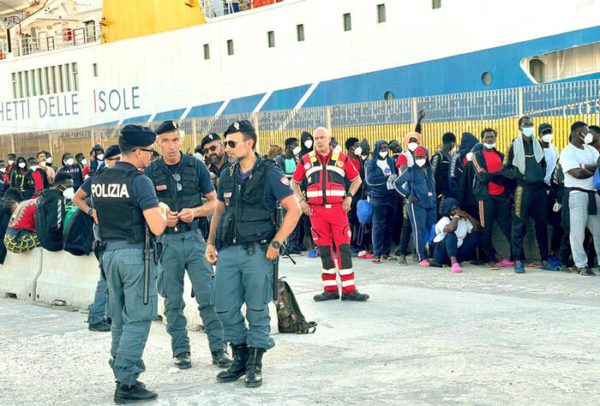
40, 179
97, 320
11, 160
4, 179
440, 164
459, 162
20, 235
380, 173
354, 150
579, 162
554, 217
96, 161
526, 161
306, 146
493, 198
50, 212
50, 161
42, 161
417, 185
361, 236
72, 167
306, 143
287, 162
21, 178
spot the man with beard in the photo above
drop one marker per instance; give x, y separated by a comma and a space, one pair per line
214, 153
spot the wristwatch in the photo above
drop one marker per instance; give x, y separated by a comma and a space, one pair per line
348, 194
90, 211
276, 244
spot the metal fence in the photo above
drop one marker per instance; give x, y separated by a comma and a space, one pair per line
558, 104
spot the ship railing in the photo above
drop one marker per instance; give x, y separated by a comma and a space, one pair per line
218, 8
27, 45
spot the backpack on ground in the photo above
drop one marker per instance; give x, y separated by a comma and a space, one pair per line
289, 316
79, 235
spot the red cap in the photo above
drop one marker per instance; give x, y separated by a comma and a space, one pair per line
420, 151
402, 160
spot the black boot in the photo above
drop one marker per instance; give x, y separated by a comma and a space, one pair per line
183, 360
221, 359
238, 367
134, 393
254, 373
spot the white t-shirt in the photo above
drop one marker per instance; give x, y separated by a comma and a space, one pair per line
384, 166
572, 157
551, 156
464, 228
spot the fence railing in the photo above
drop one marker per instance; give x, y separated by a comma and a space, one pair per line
558, 104
27, 45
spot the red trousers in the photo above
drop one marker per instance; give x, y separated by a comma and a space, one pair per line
330, 229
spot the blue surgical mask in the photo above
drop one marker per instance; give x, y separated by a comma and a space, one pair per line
527, 131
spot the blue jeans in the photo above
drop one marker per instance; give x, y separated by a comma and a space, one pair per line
448, 247
383, 226
97, 310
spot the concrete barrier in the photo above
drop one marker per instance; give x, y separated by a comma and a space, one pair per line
19, 273
67, 278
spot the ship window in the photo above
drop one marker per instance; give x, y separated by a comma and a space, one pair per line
40, 82
61, 79
68, 76
20, 75
229, 47
486, 78
435, 4
33, 83
381, 16
388, 96
75, 77
300, 32
206, 51
52, 79
564, 64
14, 85
95, 69
26, 74
47, 80
271, 39
347, 22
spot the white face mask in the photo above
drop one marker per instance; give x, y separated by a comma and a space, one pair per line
357, 151
69, 161
420, 162
589, 138
68, 193
3, 170
383, 154
49, 160
527, 131
363, 157
308, 143
469, 156
296, 150
84, 162
22, 165
486, 145
10, 162
43, 164
547, 138
33, 167
100, 157
412, 146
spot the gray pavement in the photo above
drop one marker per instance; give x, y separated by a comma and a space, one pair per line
426, 337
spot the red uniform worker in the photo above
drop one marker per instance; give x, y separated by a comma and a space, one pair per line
327, 205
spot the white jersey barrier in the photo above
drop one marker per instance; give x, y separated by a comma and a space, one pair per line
19, 273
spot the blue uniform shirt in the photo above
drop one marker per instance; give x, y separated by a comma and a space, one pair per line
278, 185
205, 186
142, 188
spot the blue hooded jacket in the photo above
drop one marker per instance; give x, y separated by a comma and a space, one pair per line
375, 179
419, 183
467, 142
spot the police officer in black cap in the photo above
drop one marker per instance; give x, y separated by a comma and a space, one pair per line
181, 181
215, 155
248, 244
126, 204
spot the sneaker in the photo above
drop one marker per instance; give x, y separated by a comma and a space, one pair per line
519, 268
365, 255
312, 253
355, 296
550, 266
456, 268
325, 295
376, 260
424, 263
585, 272
402, 260
101, 327
505, 263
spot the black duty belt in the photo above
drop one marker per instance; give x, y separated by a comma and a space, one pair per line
183, 227
123, 245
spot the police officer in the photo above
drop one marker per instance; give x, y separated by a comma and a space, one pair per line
125, 204
180, 181
214, 153
248, 244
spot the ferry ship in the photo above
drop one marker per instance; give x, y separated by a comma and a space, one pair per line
67, 64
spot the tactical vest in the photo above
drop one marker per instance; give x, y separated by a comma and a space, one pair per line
326, 182
245, 206
119, 216
166, 185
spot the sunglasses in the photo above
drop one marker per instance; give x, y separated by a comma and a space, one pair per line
210, 149
177, 178
232, 144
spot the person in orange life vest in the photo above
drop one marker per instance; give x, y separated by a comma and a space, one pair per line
40, 179
327, 204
